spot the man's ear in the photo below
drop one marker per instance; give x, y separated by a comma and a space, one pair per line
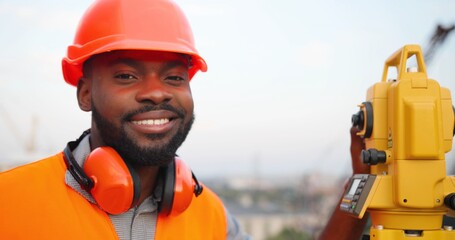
84, 94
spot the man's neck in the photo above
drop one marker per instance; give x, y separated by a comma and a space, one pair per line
148, 176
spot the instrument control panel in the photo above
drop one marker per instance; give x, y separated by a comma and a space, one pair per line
355, 198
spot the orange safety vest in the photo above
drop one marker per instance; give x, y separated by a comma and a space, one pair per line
36, 203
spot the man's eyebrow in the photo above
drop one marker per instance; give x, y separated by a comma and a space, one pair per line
175, 63
127, 61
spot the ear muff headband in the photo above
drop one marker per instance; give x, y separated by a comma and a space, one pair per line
72, 165
137, 184
167, 201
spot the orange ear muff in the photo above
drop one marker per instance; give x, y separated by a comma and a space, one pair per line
116, 186
183, 187
180, 186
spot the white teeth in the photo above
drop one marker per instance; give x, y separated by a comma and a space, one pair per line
152, 121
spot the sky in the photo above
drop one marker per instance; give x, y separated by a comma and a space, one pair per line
284, 78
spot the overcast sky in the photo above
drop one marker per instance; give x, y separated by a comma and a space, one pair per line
284, 78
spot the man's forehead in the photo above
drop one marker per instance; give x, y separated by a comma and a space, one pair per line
143, 55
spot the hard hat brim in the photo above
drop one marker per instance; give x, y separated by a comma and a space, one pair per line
72, 67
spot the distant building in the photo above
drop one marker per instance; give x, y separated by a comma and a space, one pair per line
265, 207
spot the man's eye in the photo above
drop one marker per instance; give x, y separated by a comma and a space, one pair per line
125, 76
175, 78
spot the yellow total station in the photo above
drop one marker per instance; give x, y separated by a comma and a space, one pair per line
408, 125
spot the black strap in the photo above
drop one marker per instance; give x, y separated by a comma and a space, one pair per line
73, 167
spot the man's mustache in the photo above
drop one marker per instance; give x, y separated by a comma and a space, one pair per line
148, 108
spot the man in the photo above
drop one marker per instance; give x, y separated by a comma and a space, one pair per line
132, 61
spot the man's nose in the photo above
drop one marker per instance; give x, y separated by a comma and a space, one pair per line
154, 90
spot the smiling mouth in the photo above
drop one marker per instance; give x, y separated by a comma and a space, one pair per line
152, 122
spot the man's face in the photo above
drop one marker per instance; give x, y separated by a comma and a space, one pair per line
141, 104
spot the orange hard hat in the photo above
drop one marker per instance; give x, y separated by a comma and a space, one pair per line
108, 25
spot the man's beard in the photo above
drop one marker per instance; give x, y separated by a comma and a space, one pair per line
128, 148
